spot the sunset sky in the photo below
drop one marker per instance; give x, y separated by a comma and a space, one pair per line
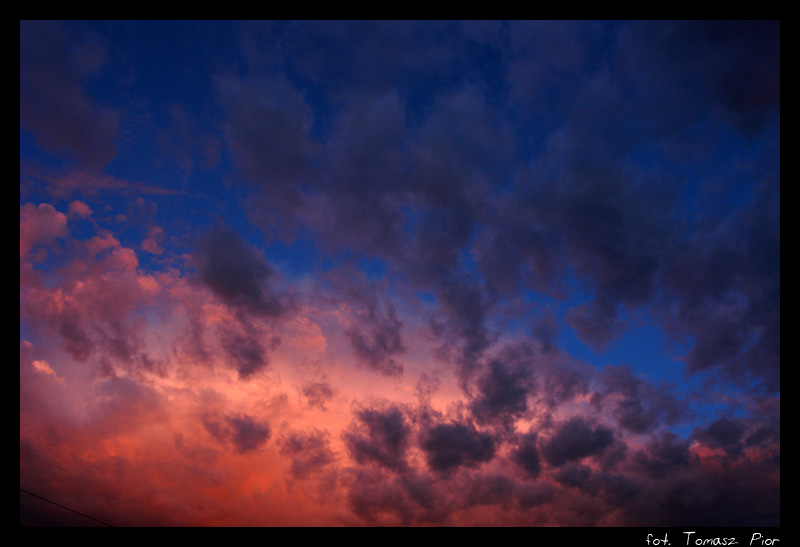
400, 273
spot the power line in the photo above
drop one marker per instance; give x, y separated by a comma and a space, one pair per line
65, 507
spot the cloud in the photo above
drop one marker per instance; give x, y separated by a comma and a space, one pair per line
39, 225
267, 131
26, 351
442, 205
637, 405
244, 432
465, 307
338, 56
578, 476
153, 242
736, 64
593, 210
534, 495
79, 209
54, 103
371, 322
575, 440
317, 393
502, 392
376, 338
93, 310
448, 446
236, 273
372, 498
725, 433
184, 144
665, 452
527, 455
310, 452
549, 378
544, 330
726, 283
597, 323
244, 349
489, 490
699, 496
379, 436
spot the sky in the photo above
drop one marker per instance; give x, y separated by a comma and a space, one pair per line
404, 273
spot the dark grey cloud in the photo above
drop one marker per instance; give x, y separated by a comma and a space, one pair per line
365, 184
520, 378
595, 212
244, 432
615, 490
76, 340
698, 496
411, 186
377, 338
575, 440
527, 456
381, 185
267, 130
489, 489
633, 167
407, 498
426, 386
536, 494
613, 223
448, 446
373, 496
191, 345
248, 434
317, 393
186, 146
333, 52
502, 392
725, 433
582, 214
55, 105
544, 63
465, 306
729, 65
544, 330
726, 284
379, 436
424, 490
419, 497
119, 343
244, 349
638, 406
514, 250
562, 380
578, 476
664, 453
310, 452
618, 490
765, 435
633, 415
236, 273
596, 322
374, 329
696, 68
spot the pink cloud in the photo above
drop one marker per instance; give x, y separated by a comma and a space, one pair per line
153, 241
79, 209
160, 426
39, 225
